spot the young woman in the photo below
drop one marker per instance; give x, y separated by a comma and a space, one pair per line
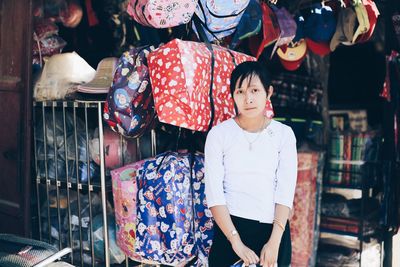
250, 175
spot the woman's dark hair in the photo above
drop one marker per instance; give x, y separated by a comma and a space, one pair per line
250, 69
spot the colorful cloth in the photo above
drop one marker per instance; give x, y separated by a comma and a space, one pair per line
303, 221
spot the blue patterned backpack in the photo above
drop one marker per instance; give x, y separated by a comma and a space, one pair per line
129, 108
219, 18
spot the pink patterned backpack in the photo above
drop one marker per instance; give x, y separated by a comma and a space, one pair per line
162, 13
124, 194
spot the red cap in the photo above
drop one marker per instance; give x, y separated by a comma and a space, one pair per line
318, 48
292, 58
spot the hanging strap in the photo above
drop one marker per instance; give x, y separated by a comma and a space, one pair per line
192, 160
203, 36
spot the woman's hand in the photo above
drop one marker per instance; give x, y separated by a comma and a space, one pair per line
247, 255
269, 254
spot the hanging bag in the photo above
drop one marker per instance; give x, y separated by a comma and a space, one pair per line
124, 194
174, 224
182, 79
219, 18
162, 13
249, 25
129, 108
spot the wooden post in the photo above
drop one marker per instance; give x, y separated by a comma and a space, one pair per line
318, 68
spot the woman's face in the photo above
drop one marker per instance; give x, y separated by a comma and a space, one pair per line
251, 97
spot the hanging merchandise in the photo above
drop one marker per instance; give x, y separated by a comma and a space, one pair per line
278, 26
191, 84
44, 28
174, 225
271, 31
129, 108
72, 16
124, 194
372, 17
162, 13
46, 41
355, 24
249, 25
287, 26
219, 18
48, 46
294, 55
345, 28
67, 12
318, 27
320, 23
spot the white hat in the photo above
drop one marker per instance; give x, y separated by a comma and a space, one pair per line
61, 73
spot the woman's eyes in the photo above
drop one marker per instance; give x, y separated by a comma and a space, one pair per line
253, 91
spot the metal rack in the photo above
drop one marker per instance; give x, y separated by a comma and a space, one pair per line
64, 175
368, 183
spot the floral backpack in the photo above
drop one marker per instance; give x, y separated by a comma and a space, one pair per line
162, 13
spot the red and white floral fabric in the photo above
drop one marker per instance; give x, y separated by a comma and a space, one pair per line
303, 222
180, 74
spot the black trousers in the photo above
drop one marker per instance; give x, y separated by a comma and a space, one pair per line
254, 235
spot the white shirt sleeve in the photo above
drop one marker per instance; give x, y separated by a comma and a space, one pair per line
214, 170
286, 173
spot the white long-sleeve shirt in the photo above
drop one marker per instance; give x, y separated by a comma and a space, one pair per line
250, 182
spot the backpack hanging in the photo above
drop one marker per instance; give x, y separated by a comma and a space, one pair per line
219, 18
129, 108
161, 13
124, 194
249, 25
